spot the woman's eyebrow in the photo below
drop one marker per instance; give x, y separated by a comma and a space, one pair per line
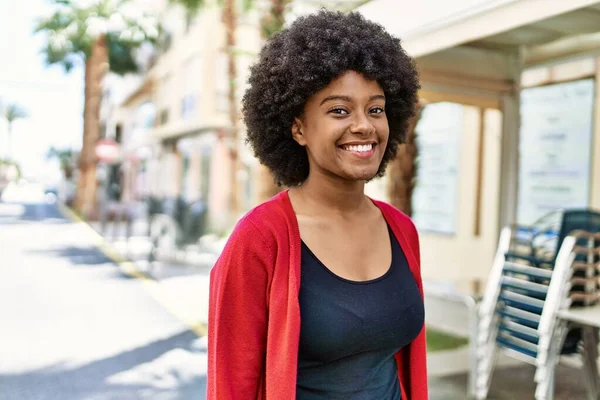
377, 97
335, 97
348, 99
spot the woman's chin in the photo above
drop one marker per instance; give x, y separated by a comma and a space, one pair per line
361, 175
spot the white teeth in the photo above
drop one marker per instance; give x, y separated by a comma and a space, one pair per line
359, 148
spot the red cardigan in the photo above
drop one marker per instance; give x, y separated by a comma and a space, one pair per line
254, 313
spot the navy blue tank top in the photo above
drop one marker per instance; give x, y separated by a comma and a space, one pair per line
350, 331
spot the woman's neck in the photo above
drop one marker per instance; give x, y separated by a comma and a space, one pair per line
329, 195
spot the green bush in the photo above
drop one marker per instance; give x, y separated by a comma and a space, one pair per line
439, 341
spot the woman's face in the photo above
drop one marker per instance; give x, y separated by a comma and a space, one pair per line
344, 128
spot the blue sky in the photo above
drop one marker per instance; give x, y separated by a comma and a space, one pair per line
53, 99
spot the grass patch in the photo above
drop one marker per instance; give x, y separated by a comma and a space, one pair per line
439, 341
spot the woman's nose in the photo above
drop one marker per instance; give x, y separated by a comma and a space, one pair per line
361, 124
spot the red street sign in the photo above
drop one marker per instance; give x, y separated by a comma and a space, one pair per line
108, 151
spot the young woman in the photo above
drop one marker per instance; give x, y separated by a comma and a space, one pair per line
318, 293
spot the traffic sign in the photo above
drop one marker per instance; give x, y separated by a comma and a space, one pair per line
108, 151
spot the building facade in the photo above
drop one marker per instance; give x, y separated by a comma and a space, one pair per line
175, 123
511, 130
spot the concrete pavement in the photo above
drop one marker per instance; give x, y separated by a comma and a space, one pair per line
75, 327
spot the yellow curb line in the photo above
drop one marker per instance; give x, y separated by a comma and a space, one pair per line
129, 268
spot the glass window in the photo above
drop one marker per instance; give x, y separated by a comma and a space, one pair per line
555, 144
434, 199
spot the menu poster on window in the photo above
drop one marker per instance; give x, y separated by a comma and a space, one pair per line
435, 196
555, 148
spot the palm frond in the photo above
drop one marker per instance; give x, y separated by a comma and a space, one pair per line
274, 19
65, 155
120, 55
59, 20
195, 6
191, 6
247, 5
13, 112
73, 27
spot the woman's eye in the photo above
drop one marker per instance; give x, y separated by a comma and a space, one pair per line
377, 110
338, 111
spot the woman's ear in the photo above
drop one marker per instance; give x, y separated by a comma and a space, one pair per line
297, 132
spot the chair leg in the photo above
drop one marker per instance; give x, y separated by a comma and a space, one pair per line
545, 388
550, 393
552, 362
590, 357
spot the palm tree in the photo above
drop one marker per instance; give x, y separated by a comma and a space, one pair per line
66, 159
11, 113
101, 35
402, 170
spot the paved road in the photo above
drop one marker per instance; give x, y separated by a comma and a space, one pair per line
74, 327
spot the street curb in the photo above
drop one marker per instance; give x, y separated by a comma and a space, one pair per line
127, 267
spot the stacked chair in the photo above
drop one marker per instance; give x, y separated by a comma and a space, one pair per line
537, 271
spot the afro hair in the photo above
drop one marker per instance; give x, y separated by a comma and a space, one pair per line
299, 61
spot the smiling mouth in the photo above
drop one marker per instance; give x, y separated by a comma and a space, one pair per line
359, 148
363, 151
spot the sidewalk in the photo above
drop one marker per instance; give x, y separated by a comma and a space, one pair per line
509, 383
182, 287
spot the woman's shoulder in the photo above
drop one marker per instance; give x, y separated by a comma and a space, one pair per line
403, 222
394, 214
256, 238
271, 219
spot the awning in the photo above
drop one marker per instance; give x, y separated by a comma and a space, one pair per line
480, 47
179, 129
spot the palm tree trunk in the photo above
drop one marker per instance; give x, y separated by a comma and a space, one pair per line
272, 22
230, 21
9, 144
95, 68
403, 169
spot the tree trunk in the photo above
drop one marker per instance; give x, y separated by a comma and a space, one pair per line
403, 169
9, 144
278, 12
95, 68
271, 23
230, 21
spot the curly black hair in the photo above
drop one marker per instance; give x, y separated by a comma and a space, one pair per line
299, 61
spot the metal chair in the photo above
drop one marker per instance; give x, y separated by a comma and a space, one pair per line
547, 234
554, 331
512, 312
526, 288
